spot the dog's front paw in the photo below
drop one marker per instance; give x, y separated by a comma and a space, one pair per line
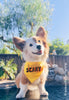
44, 93
17, 96
20, 96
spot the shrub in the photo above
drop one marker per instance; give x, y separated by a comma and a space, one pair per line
8, 70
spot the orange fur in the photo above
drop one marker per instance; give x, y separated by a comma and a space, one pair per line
41, 33
17, 81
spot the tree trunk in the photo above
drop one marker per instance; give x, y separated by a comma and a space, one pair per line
31, 28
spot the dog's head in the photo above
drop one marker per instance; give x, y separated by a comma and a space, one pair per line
34, 48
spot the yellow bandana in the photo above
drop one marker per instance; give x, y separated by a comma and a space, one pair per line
33, 70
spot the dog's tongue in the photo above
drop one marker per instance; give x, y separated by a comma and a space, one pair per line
40, 51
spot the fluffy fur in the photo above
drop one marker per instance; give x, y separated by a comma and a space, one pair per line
31, 53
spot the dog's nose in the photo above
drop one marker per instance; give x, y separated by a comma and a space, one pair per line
39, 47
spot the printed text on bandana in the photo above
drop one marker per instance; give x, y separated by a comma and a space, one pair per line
33, 70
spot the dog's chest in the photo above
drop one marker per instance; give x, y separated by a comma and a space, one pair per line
33, 70
38, 81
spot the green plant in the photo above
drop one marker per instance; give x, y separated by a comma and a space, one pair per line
8, 70
59, 47
4, 50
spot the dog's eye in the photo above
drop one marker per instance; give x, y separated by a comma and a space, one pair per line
31, 45
38, 40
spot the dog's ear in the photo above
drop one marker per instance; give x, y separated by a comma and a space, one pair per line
41, 33
19, 43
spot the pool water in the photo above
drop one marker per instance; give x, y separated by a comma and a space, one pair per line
55, 93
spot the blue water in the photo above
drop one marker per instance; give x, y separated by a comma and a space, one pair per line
55, 93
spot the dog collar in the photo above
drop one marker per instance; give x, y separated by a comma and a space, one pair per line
33, 70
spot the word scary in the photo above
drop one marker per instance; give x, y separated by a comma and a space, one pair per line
34, 69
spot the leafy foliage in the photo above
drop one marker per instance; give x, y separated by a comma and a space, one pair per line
8, 70
4, 50
24, 15
60, 47
10, 50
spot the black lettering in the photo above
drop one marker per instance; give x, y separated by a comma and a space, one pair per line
39, 68
27, 70
30, 70
33, 69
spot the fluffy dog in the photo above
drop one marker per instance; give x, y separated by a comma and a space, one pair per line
34, 49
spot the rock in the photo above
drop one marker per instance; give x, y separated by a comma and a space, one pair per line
59, 70
59, 78
49, 66
51, 74
54, 65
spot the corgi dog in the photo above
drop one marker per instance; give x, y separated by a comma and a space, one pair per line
35, 52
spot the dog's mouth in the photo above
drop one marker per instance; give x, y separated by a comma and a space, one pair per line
38, 53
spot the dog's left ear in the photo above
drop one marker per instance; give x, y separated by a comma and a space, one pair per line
20, 43
41, 33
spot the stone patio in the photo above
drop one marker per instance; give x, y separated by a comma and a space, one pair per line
4, 84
